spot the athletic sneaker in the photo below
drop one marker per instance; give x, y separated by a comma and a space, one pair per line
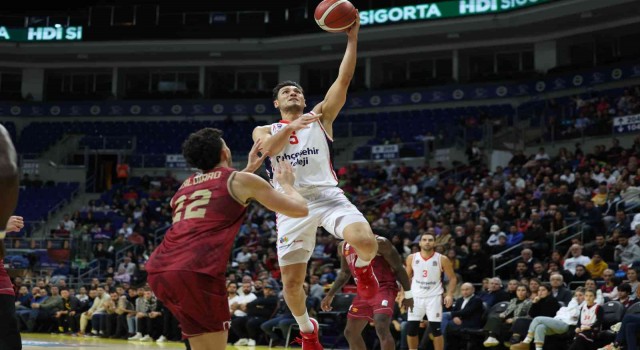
146, 338
309, 341
611, 346
241, 342
138, 336
367, 282
162, 339
491, 341
616, 327
251, 342
520, 346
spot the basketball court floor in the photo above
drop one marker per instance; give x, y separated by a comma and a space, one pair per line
63, 342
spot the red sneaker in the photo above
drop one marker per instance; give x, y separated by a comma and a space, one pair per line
309, 341
366, 281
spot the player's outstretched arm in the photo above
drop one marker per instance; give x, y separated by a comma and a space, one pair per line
273, 144
246, 186
9, 177
336, 97
341, 280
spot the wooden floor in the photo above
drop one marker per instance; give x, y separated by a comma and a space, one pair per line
64, 342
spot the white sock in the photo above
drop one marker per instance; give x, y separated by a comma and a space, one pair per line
304, 322
538, 348
527, 340
360, 262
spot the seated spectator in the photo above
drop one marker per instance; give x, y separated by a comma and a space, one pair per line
148, 317
624, 295
542, 326
610, 286
632, 279
258, 312
589, 323
498, 326
95, 312
576, 259
495, 294
596, 266
625, 253
65, 317
544, 304
539, 272
581, 275
558, 289
122, 276
128, 266
466, 313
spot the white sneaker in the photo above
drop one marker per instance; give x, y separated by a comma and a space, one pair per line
94, 332
146, 338
162, 339
241, 342
491, 341
138, 336
616, 327
251, 342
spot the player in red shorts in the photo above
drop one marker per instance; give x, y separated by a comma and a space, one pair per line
9, 181
187, 270
388, 268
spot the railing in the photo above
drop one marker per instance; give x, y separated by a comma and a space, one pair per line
556, 232
93, 271
497, 256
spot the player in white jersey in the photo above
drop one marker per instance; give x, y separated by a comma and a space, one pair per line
425, 269
305, 140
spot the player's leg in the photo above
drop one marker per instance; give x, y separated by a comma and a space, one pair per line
9, 335
209, 341
353, 333
292, 289
383, 329
414, 317
434, 316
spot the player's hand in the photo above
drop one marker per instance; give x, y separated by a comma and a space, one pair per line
457, 320
352, 32
448, 301
408, 304
304, 121
284, 173
256, 157
15, 224
326, 303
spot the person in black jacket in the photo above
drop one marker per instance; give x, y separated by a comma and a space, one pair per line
65, 319
466, 313
558, 290
544, 304
258, 311
477, 264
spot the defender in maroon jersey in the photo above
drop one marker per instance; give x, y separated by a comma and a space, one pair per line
388, 269
187, 270
9, 181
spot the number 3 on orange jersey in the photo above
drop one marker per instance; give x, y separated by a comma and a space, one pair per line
194, 209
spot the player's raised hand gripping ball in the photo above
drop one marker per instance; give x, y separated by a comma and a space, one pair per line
335, 15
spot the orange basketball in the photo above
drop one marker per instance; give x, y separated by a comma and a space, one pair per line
335, 15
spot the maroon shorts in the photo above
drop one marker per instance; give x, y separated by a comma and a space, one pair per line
382, 303
198, 301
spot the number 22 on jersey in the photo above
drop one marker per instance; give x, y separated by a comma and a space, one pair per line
195, 206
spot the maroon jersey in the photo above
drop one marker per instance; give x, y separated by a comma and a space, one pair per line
206, 219
6, 287
382, 270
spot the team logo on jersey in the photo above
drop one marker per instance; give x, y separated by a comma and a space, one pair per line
435, 263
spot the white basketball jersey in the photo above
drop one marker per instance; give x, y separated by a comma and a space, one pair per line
309, 152
427, 276
588, 315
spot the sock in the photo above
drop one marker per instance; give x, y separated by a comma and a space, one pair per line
305, 324
538, 347
527, 340
362, 263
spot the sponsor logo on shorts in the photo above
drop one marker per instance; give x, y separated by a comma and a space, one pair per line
385, 303
226, 325
284, 240
354, 309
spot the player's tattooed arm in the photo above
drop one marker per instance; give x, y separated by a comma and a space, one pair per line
341, 280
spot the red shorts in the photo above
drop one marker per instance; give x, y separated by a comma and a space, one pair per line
382, 303
198, 301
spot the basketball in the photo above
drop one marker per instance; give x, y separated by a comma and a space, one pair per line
335, 15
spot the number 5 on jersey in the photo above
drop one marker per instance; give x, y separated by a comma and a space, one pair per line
293, 139
194, 210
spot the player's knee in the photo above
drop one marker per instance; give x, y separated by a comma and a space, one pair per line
383, 331
413, 327
436, 328
350, 333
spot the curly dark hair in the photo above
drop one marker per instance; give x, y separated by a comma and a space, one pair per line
283, 84
202, 148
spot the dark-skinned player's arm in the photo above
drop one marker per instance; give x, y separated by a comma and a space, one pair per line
341, 280
393, 258
447, 267
336, 97
246, 186
9, 182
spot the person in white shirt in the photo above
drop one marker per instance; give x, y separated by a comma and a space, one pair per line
568, 176
69, 224
495, 232
542, 326
542, 155
576, 259
244, 255
238, 308
635, 239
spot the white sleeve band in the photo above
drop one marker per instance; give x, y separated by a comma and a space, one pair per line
3, 233
408, 294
